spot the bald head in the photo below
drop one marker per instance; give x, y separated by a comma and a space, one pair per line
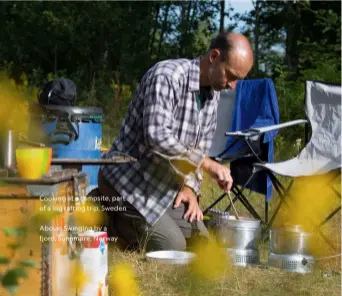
233, 45
229, 59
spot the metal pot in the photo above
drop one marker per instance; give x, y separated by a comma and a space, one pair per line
217, 218
9, 142
290, 240
242, 234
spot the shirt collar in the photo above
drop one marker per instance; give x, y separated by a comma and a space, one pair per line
194, 75
194, 78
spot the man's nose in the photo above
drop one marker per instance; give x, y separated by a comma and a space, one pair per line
232, 84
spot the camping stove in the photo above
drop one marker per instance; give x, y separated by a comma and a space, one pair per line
240, 237
292, 262
244, 257
291, 249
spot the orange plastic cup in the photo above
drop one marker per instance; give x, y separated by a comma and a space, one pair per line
32, 163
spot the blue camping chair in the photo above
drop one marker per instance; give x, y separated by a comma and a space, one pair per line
252, 105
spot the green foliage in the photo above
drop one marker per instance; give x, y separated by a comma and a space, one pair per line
106, 47
10, 277
319, 58
15, 231
10, 280
4, 260
28, 263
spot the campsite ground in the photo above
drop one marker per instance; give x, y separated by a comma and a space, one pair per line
155, 279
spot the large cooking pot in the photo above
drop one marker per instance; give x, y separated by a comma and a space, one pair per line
291, 240
242, 234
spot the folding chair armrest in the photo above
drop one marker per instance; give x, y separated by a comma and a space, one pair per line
279, 126
255, 131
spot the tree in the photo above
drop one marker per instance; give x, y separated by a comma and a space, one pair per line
222, 15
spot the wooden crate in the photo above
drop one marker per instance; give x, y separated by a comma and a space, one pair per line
17, 212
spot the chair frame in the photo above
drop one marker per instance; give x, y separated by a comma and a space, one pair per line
280, 189
246, 137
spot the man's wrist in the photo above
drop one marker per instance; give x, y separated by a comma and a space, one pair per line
192, 189
206, 163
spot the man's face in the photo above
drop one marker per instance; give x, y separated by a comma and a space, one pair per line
225, 74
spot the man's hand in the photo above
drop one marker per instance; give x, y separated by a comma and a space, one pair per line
218, 172
188, 197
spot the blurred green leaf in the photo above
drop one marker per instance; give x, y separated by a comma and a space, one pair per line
14, 246
14, 231
20, 272
4, 260
28, 263
10, 281
326, 30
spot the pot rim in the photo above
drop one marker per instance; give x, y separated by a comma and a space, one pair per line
243, 223
297, 229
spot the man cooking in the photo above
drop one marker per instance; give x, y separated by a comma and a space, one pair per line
168, 128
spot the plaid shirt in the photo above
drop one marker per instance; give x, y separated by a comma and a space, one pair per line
166, 129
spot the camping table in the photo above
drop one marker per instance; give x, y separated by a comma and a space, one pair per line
19, 200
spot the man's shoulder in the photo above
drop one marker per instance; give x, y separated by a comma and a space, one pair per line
172, 68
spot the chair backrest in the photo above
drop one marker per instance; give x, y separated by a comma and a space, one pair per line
224, 119
323, 109
253, 104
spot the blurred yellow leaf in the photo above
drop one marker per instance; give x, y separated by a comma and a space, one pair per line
310, 201
13, 104
88, 214
211, 261
122, 280
78, 277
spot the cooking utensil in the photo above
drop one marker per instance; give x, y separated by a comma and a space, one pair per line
292, 262
231, 202
171, 257
244, 257
8, 142
216, 218
291, 240
240, 234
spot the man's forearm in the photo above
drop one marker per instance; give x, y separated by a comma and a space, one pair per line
206, 163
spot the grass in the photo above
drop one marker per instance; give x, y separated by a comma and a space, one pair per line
156, 279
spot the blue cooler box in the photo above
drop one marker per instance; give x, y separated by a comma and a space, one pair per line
72, 132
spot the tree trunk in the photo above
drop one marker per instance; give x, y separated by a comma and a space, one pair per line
256, 36
55, 62
185, 26
155, 27
2, 20
293, 29
163, 29
193, 15
222, 15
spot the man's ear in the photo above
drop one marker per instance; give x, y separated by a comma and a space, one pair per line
213, 54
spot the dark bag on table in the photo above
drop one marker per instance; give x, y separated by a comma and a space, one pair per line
60, 91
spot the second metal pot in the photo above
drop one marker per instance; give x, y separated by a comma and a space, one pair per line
290, 240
